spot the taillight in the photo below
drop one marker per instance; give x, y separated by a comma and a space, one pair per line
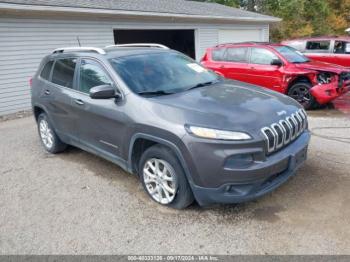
204, 58
31, 82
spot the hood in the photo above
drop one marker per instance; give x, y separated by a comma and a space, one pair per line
321, 66
228, 105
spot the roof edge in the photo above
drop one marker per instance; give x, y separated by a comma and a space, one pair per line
83, 10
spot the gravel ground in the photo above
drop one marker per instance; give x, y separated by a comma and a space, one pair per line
76, 203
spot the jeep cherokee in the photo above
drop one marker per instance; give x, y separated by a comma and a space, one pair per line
185, 131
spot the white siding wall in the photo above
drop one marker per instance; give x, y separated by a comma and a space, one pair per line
24, 42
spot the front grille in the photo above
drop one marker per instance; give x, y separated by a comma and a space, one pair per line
280, 134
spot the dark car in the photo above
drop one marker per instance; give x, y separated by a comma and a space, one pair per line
185, 131
280, 68
330, 49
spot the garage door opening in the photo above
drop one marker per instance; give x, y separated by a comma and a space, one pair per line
180, 40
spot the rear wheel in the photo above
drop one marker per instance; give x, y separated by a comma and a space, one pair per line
49, 138
300, 91
163, 178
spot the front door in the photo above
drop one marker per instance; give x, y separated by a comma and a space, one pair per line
340, 55
100, 121
262, 73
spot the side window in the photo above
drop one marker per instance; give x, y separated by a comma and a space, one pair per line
218, 54
262, 56
63, 72
238, 55
45, 73
92, 74
318, 45
340, 47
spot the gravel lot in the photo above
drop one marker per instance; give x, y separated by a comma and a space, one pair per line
76, 203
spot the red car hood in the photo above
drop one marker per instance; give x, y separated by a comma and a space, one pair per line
321, 66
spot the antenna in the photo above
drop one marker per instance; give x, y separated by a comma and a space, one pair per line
78, 41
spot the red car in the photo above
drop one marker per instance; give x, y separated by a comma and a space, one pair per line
280, 68
335, 50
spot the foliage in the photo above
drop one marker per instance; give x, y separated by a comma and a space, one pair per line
300, 17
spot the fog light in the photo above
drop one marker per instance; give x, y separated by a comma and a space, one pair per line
239, 161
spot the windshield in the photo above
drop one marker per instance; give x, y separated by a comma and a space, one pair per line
161, 73
291, 54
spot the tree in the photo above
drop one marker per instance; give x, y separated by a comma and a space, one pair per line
232, 3
299, 17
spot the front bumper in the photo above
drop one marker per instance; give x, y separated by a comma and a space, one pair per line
259, 180
325, 93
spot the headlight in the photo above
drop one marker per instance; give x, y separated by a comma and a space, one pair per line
217, 134
324, 78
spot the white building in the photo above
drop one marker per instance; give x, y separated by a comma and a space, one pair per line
31, 29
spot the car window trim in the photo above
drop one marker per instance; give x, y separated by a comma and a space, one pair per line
321, 51
246, 56
51, 70
53, 66
223, 55
250, 56
114, 85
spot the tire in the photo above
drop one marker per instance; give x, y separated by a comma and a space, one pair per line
180, 196
49, 139
300, 91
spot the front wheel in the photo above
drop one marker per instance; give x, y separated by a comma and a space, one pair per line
301, 92
163, 178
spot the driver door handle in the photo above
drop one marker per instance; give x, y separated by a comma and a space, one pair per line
79, 102
47, 92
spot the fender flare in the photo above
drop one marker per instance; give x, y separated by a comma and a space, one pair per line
164, 142
43, 108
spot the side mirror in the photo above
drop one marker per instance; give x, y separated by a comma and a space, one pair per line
102, 92
276, 62
347, 48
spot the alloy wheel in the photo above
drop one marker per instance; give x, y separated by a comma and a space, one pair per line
301, 94
46, 133
160, 180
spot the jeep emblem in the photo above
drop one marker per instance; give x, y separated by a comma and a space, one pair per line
281, 113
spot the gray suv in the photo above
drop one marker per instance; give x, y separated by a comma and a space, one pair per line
188, 133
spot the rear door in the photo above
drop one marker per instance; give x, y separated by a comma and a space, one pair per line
261, 72
100, 121
58, 93
234, 63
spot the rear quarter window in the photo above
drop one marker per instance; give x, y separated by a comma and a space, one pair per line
318, 45
45, 73
218, 54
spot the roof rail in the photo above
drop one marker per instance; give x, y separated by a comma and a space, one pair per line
247, 42
77, 49
139, 45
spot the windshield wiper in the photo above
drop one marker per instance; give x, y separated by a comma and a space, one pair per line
203, 84
155, 93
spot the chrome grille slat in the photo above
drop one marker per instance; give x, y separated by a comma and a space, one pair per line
285, 131
279, 136
293, 125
